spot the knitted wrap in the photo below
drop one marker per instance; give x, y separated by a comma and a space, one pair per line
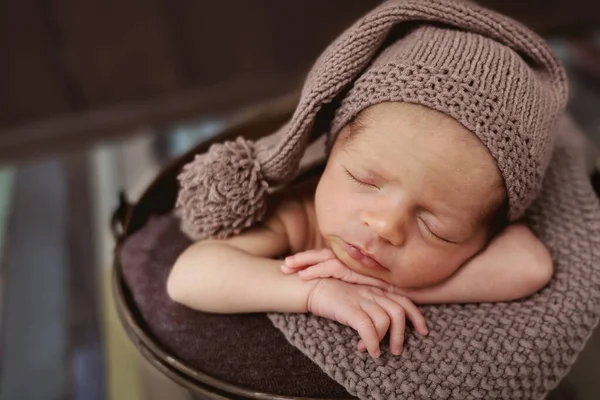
489, 72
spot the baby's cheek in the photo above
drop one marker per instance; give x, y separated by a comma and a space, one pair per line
424, 268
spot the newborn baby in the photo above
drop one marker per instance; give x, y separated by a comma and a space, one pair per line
411, 207
438, 134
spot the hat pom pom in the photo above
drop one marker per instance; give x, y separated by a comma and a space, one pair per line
222, 192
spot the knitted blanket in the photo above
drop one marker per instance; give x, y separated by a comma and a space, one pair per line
516, 350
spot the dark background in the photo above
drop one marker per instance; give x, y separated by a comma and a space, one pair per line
75, 70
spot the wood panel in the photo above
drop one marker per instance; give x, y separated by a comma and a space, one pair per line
305, 28
115, 51
84, 349
34, 287
72, 132
219, 41
73, 71
31, 85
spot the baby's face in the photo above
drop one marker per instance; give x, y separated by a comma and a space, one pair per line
406, 194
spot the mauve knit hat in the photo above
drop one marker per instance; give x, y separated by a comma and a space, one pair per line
492, 74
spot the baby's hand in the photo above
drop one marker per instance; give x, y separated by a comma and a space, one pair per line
368, 310
322, 263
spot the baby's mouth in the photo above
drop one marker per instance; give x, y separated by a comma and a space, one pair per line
359, 255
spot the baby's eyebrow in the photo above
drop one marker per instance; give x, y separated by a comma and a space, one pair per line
357, 126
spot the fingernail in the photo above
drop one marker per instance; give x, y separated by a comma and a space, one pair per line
377, 354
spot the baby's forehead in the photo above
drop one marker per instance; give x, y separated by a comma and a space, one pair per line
402, 123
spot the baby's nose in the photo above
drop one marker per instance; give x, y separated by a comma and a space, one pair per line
390, 227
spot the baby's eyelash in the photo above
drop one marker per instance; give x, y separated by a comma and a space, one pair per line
355, 180
430, 232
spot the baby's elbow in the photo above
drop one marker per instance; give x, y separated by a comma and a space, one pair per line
540, 268
180, 277
188, 278
176, 287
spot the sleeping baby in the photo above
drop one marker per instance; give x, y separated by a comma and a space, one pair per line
435, 152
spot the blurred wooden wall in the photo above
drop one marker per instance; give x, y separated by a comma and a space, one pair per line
75, 70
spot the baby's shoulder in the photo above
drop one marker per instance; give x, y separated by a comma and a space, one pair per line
293, 208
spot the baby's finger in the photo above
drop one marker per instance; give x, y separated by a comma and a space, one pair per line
326, 269
412, 312
287, 270
361, 346
397, 325
354, 277
307, 258
379, 316
361, 322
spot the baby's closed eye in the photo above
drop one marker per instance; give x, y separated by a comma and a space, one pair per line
432, 233
360, 181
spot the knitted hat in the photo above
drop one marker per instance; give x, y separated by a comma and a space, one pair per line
490, 73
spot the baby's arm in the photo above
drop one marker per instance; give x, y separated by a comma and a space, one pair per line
240, 274
515, 264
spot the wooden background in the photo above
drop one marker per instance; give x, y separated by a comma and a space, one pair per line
75, 70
